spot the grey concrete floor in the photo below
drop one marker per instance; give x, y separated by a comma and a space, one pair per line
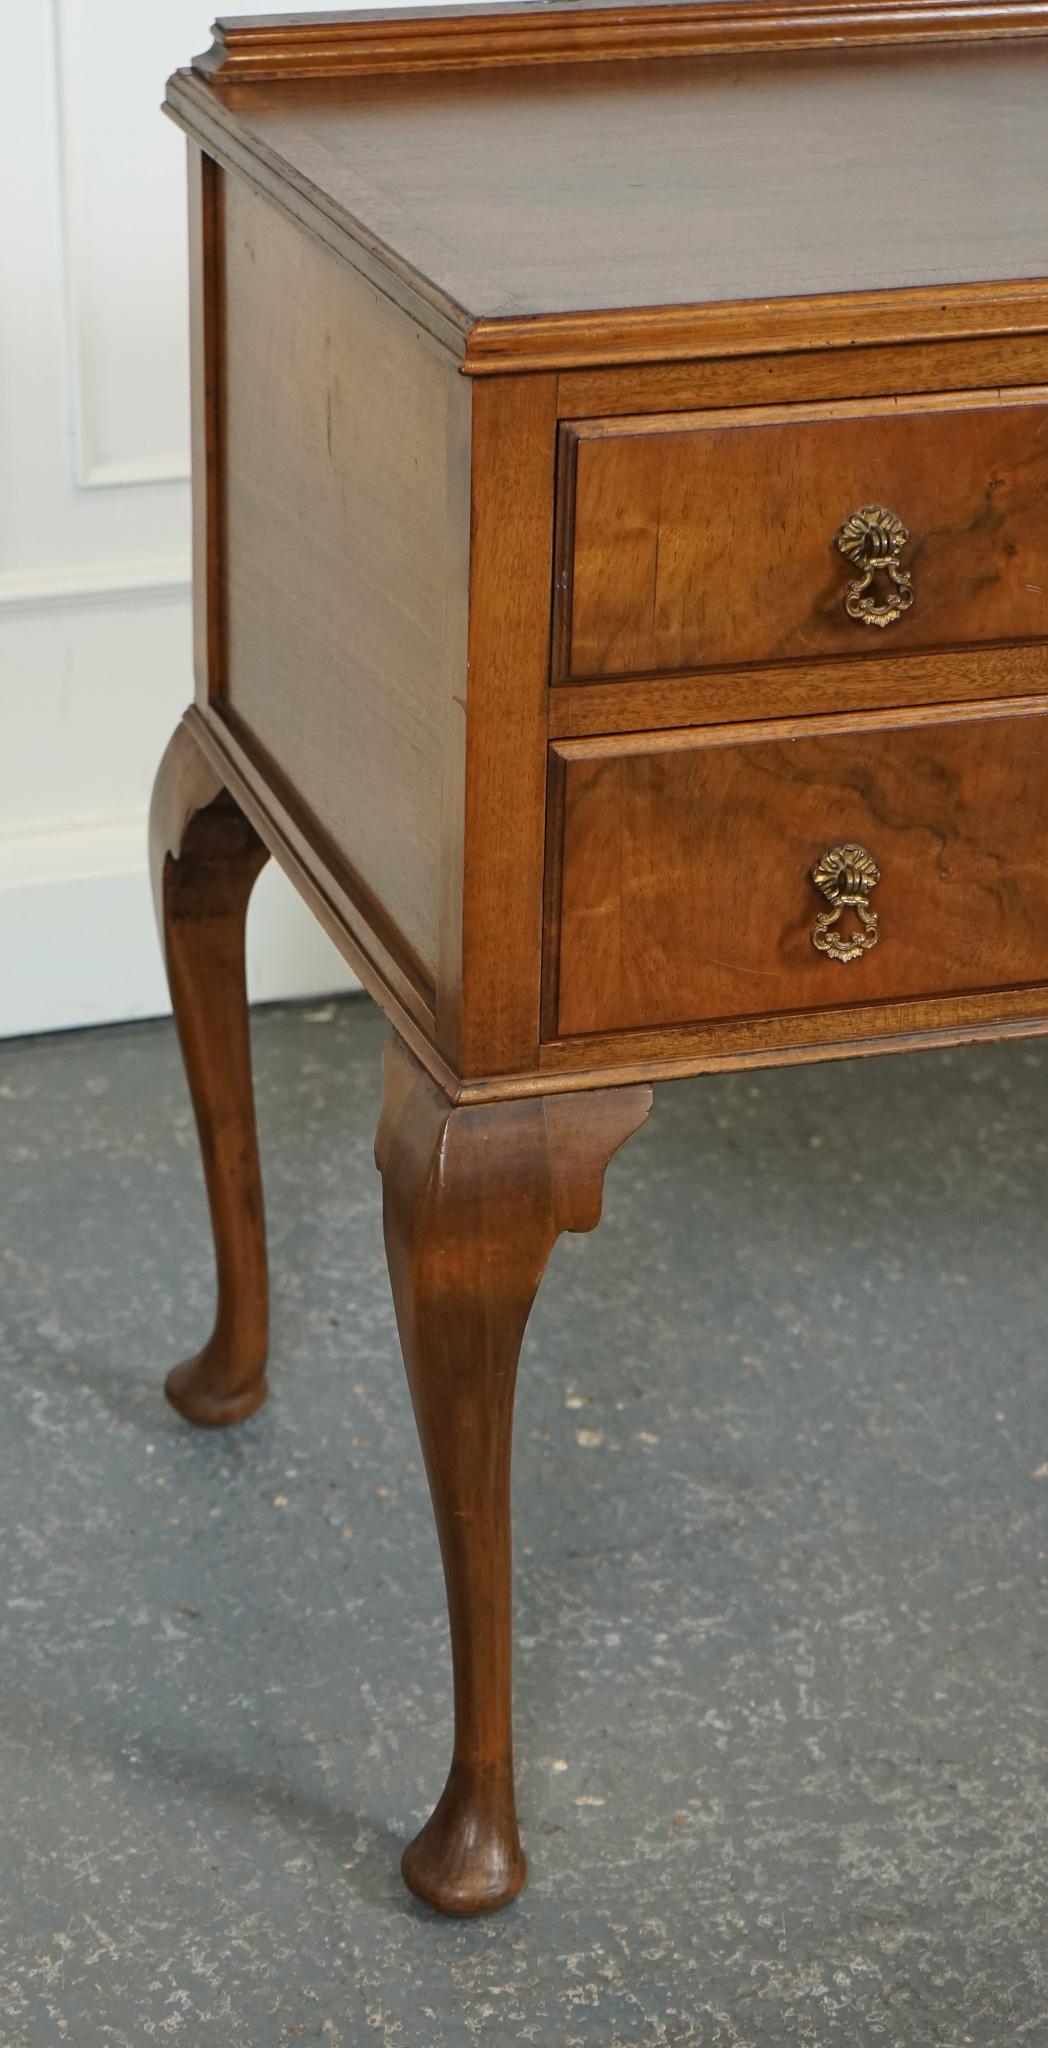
782, 1522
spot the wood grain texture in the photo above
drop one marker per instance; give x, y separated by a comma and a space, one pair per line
344, 509
474, 1200
491, 1022
200, 112
695, 540
204, 183
685, 885
205, 859
308, 859
599, 1059
486, 757
478, 186
585, 343
328, 45
615, 1060
803, 375
793, 690
764, 262
278, 825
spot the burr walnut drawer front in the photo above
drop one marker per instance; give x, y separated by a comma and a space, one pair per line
689, 541
749, 871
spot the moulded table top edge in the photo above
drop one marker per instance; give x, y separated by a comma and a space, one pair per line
493, 344
310, 146
200, 113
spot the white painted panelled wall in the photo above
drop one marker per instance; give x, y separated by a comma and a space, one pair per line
95, 663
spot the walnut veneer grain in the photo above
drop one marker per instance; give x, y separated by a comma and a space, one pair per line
696, 540
343, 515
686, 864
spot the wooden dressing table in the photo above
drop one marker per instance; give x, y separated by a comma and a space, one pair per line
621, 528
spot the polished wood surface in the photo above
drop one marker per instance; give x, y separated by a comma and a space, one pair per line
696, 540
205, 859
530, 388
204, 181
656, 190
686, 863
751, 364
794, 690
474, 1201
670, 336
346, 518
511, 565
254, 47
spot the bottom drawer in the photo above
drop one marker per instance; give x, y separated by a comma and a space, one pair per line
741, 872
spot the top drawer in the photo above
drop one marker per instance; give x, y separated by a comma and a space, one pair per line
689, 541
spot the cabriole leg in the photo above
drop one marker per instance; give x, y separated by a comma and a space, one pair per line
474, 1199
205, 857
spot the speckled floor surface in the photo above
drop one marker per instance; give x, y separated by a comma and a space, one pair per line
782, 1523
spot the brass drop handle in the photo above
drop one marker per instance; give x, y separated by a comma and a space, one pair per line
845, 875
874, 540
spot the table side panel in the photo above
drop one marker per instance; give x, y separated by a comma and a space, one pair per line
345, 438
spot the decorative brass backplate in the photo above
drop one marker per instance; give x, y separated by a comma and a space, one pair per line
846, 875
874, 540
